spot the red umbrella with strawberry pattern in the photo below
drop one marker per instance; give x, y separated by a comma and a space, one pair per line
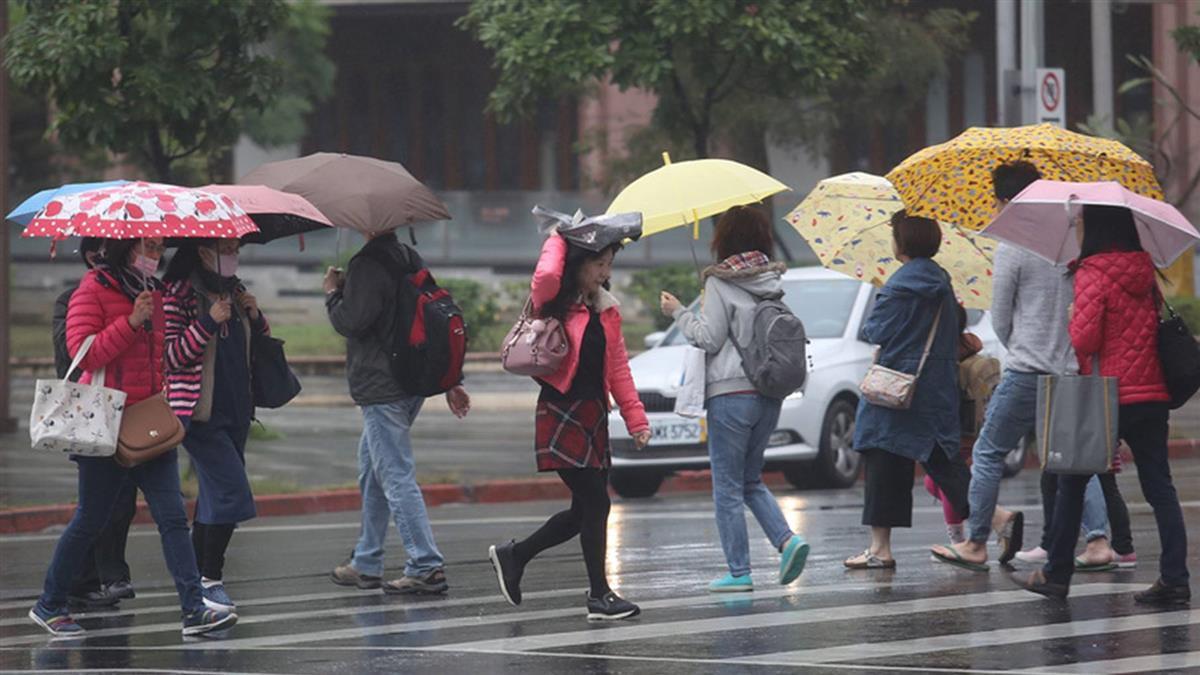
137, 210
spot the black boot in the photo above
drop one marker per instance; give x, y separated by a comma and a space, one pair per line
508, 571
1163, 595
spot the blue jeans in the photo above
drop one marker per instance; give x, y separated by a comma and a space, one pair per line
1010, 416
387, 478
100, 482
1095, 511
739, 426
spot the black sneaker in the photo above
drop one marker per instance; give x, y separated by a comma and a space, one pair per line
433, 583
611, 607
205, 621
508, 571
1036, 582
98, 599
346, 575
121, 590
1163, 595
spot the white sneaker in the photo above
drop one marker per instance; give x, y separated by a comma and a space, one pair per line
1034, 556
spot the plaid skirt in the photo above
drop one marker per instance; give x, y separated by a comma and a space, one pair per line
572, 435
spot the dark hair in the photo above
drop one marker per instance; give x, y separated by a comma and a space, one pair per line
742, 229
1010, 178
1108, 228
115, 252
915, 236
89, 245
186, 260
568, 291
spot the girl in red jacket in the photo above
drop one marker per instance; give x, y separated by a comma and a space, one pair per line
1115, 322
120, 303
571, 285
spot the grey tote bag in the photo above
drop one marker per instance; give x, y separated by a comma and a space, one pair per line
1077, 423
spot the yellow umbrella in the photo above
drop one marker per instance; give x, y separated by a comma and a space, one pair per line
679, 193
846, 221
952, 182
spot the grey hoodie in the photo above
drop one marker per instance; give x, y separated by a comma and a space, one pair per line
728, 307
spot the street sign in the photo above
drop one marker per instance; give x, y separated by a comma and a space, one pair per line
1050, 96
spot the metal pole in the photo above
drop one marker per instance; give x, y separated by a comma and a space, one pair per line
1032, 54
7, 422
1102, 66
1006, 55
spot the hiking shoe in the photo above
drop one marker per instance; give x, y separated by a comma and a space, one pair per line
1163, 595
58, 624
1034, 556
121, 590
205, 621
215, 596
1125, 562
346, 575
795, 554
98, 599
430, 584
611, 607
508, 571
732, 584
1036, 582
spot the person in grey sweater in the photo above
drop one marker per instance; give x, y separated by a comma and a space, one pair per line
1030, 298
361, 306
740, 420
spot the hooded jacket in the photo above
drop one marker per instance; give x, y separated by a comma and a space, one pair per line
1116, 317
618, 381
728, 309
900, 323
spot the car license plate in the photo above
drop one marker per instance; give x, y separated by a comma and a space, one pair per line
678, 432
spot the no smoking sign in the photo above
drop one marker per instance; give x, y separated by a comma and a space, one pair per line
1051, 92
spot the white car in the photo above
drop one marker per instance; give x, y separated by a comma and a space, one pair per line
813, 443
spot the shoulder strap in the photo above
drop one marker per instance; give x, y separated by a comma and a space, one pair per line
929, 341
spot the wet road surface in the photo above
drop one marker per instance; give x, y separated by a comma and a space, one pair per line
923, 617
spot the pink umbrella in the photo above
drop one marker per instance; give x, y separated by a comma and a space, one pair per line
277, 214
1041, 219
137, 210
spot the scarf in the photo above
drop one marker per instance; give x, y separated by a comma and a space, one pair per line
744, 261
129, 281
215, 283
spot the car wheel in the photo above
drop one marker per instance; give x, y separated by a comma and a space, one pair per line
1015, 460
837, 464
635, 483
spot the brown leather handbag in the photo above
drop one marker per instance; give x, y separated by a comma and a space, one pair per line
149, 428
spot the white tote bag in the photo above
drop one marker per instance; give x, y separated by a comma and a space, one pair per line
78, 419
689, 401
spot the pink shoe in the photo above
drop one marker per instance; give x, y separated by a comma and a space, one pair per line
1125, 562
1034, 556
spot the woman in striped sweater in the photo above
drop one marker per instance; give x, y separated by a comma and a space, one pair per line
210, 318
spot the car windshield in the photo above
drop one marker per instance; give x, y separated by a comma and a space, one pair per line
824, 305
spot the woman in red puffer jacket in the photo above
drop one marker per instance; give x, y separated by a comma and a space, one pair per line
1115, 322
120, 303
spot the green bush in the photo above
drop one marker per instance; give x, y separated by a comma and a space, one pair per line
1189, 309
481, 309
680, 280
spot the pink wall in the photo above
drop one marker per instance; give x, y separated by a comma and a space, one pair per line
1183, 145
606, 119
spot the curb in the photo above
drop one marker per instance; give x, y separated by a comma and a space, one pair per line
39, 518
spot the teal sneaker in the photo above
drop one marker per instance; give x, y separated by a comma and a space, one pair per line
795, 554
732, 584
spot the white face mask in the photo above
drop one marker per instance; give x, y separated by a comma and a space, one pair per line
146, 265
225, 264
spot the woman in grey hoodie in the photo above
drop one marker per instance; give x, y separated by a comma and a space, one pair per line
740, 420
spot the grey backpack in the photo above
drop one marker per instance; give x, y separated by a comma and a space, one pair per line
775, 360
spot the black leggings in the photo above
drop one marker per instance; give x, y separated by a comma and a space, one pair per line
587, 517
211, 542
1118, 512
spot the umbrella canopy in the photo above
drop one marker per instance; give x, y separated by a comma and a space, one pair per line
29, 208
952, 182
1042, 220
277, 214
680, 193
136, 210
361, 193
846, 221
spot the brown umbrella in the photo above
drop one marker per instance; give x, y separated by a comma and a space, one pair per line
361, 193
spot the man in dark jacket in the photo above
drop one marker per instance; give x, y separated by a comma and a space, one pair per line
361, 306
104, 580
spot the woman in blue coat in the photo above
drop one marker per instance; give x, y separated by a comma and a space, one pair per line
916, 301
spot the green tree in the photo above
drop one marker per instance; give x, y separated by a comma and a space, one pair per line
698, 56
159, 80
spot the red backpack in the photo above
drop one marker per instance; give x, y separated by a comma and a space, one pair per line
429, 341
